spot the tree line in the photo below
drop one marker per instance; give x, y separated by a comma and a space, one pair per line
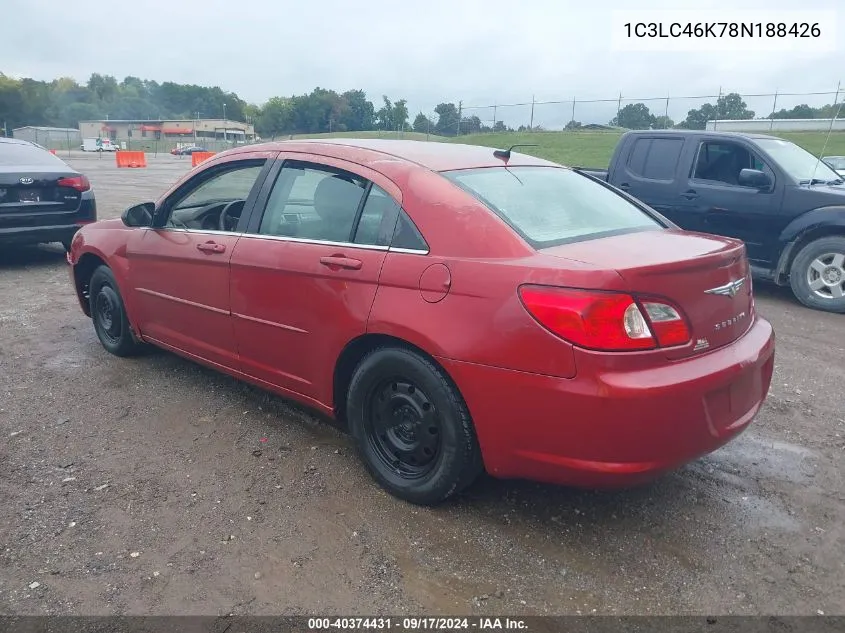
63, 102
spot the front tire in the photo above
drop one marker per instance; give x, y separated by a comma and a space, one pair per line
109, 314
412, 427
817, 274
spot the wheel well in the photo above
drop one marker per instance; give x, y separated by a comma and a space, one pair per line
82, 272
353, 353
783, 269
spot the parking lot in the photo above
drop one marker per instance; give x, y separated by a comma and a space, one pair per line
152, 485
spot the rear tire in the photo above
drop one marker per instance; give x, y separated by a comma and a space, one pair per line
109, 314
817, 274
412, 427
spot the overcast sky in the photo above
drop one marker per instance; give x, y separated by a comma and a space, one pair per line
478, 51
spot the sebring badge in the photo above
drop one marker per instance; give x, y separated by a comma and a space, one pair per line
26, 180
732, 321
728, 290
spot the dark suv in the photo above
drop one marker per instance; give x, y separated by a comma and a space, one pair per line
42, 199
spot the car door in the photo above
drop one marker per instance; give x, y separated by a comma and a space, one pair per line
305, 274
649, 173
179, 267
713, 193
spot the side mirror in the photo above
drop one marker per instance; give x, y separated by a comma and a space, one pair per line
139, 215
754, 178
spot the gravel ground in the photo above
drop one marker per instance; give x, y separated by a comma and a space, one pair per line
154, 486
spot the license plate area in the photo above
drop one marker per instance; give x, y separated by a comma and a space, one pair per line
730, 403
29, 195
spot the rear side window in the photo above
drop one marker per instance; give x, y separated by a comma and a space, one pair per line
551, 205
22, 154
655, 158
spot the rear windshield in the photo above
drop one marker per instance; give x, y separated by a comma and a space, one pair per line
548, 206
13, 154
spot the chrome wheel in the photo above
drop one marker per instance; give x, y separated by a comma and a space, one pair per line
826, 276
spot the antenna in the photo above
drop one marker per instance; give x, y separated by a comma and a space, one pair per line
505, 154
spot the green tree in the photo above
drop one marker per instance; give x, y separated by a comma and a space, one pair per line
572, 125
447, 119
360, 114
634, 116
730, 106
423, 124
392, 116
471, 125
663, 122
275, 117
802, 111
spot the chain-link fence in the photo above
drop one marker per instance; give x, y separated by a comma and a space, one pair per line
657, 112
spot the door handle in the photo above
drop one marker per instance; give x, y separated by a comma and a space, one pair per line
336, 262
690, 194
211, 247
624, 186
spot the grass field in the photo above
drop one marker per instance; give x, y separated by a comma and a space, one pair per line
594, 149
412, 136
582, 149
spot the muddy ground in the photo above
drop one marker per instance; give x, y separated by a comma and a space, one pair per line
154, 486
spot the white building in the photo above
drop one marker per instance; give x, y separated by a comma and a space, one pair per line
776, 125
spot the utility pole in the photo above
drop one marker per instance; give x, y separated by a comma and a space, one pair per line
494, 117
460, 115
774, 107
573, 110
718, 105
666, 112
618, 108
531, 122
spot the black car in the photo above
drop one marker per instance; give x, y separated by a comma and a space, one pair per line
42, 199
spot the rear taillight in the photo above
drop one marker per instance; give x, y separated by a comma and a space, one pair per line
607, 321
668, 325
80, 183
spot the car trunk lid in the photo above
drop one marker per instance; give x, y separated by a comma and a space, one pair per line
706, 277
27, 190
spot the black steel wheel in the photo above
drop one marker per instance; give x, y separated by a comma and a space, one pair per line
404, 428
412, 427
109, 314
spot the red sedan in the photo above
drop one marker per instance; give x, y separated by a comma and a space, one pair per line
459, 309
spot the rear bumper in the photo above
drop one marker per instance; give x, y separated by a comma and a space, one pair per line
611, 425
38, 234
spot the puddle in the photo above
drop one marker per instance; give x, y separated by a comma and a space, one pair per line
770, 459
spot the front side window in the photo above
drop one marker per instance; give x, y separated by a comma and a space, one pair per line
718, 161
229, 185
217, 199
548, 206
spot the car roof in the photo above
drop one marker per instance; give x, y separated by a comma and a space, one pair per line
15, 141
433, 155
